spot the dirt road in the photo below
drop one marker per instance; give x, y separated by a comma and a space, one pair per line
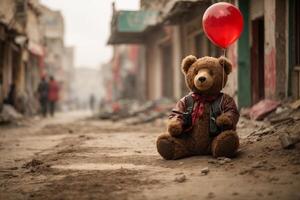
70, 157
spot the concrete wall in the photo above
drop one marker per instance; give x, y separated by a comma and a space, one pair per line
281, 45
177, 58
33, 28
270, 49
153, 66
52, 22
275, 49
7, 15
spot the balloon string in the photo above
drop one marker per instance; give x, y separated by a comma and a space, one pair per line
223, 80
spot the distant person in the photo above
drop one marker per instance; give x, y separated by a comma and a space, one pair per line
43, 96
52, 95
92, 102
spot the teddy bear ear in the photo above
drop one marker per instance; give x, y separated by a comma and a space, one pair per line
187, 62
226, 63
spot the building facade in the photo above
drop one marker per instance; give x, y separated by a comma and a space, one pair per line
21, 52
31, 46
268, 51
265, 59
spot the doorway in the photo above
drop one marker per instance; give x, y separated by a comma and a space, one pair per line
257, 61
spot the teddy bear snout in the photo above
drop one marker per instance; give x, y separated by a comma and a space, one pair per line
202, 79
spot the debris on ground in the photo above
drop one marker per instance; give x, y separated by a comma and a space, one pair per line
211, 195
32, 163
204, 171
77, 165
295, 105
288, 141
260, 110
133, 113
264, 165
180, 179
223, 160
9, 114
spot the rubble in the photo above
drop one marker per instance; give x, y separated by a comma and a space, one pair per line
295, 104
180, 179
9, 114
133, 113
288, 141
204, 171
260, 110
264, 165
32, 163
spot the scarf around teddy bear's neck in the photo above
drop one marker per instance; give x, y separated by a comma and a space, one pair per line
201, 100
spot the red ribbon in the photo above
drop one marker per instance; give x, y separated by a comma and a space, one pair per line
199, 108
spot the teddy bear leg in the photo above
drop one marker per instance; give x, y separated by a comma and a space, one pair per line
171, 148
225, 144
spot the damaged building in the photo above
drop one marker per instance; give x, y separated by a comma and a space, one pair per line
24, 54
265, 58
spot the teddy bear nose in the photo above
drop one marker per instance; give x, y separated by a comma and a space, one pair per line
202, 79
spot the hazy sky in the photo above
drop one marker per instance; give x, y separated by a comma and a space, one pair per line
87, 27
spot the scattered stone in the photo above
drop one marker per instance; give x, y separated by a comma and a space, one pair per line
270, 193
295, 105
212, 161
250, 156
295, 161
137, 151
13, 168
245, 171
263, 131
32, 163
281, 109
223, 160
180, 179
288, 141
235, 193
273, 179
296, 172
259, 194
9, 175
204, 171
211, 195
119, 187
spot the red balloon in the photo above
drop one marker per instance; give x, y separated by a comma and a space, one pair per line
222, 23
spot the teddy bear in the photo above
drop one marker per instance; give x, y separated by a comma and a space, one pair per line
204, 121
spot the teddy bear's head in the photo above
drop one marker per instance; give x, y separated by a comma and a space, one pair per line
206, 75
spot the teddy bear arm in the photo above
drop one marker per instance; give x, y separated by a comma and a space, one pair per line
230, 116
175, 123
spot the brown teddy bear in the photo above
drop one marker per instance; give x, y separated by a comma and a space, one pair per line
204, 121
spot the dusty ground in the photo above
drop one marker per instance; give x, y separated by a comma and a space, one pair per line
70, 157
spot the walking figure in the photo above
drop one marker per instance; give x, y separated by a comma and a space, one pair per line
43, 96
52, 95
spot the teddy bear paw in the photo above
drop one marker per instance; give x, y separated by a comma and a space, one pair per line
224, 121
174, 127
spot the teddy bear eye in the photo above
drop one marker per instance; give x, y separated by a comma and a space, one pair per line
211, 72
